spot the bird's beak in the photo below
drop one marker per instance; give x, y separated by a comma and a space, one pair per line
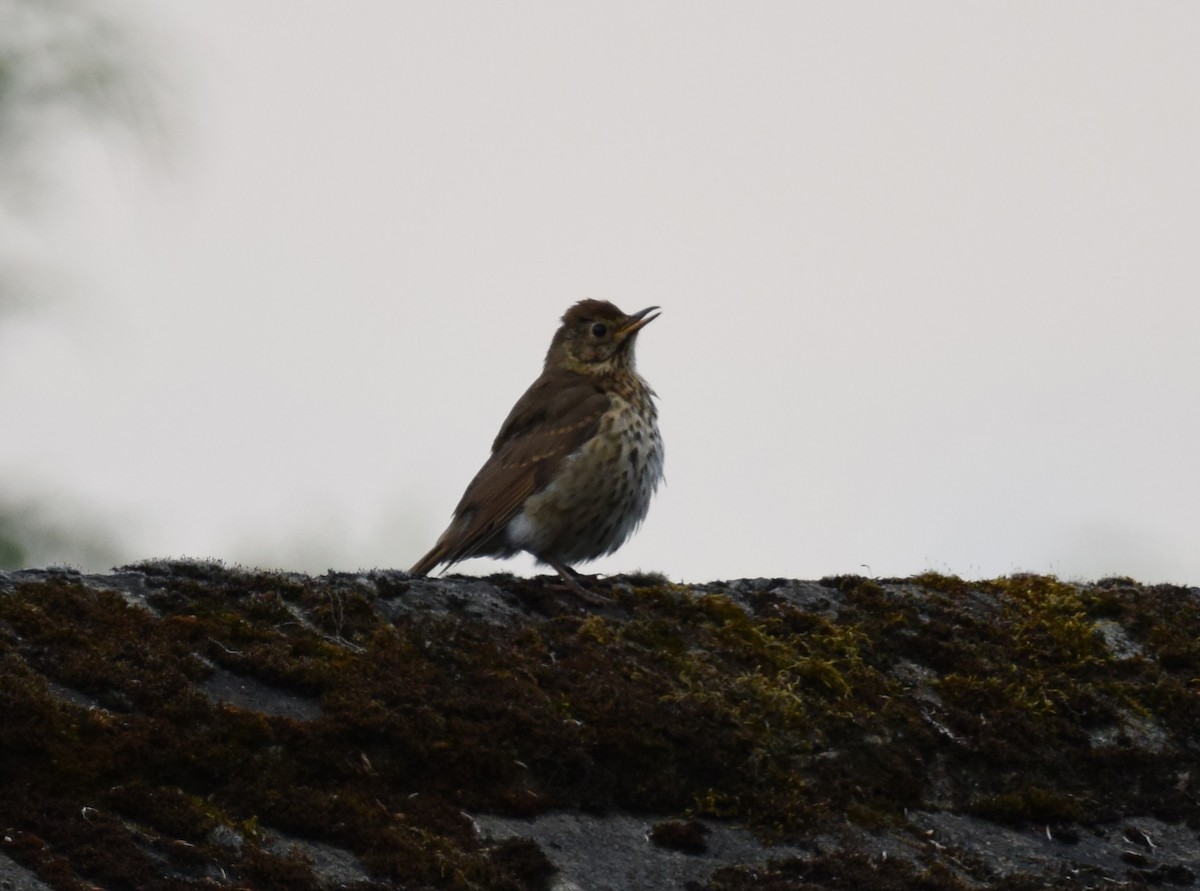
637, 322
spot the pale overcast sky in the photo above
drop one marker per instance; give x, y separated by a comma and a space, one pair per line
929, 273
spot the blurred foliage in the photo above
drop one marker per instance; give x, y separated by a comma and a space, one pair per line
48, 532
68, 69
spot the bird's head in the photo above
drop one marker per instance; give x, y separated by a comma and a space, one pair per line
597, 338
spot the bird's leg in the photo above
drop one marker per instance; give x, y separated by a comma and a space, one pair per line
571, 579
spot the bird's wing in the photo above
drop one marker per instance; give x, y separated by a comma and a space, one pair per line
557, 414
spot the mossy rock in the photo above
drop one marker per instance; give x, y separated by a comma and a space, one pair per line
186, 724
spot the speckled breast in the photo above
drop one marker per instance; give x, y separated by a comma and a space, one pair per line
602, 492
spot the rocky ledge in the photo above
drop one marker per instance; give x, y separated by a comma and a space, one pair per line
188, 725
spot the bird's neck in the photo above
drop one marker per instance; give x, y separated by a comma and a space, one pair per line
616, 366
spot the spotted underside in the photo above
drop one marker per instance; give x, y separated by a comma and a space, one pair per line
599, 494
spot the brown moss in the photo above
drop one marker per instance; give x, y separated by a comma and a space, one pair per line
521, 865
835, 873
1033, 804
734, 702
688, 836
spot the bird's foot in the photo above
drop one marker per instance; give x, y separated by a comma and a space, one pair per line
573, 582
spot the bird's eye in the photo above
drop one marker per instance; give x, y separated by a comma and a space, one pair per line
599, 329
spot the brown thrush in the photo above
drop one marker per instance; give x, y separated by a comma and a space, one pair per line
576, 461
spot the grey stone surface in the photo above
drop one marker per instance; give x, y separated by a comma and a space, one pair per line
14, 877
615, 853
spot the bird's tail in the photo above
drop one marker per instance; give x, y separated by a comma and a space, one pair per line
429, 561
463, 538
448, 550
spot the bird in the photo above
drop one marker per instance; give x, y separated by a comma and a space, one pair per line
576, 462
